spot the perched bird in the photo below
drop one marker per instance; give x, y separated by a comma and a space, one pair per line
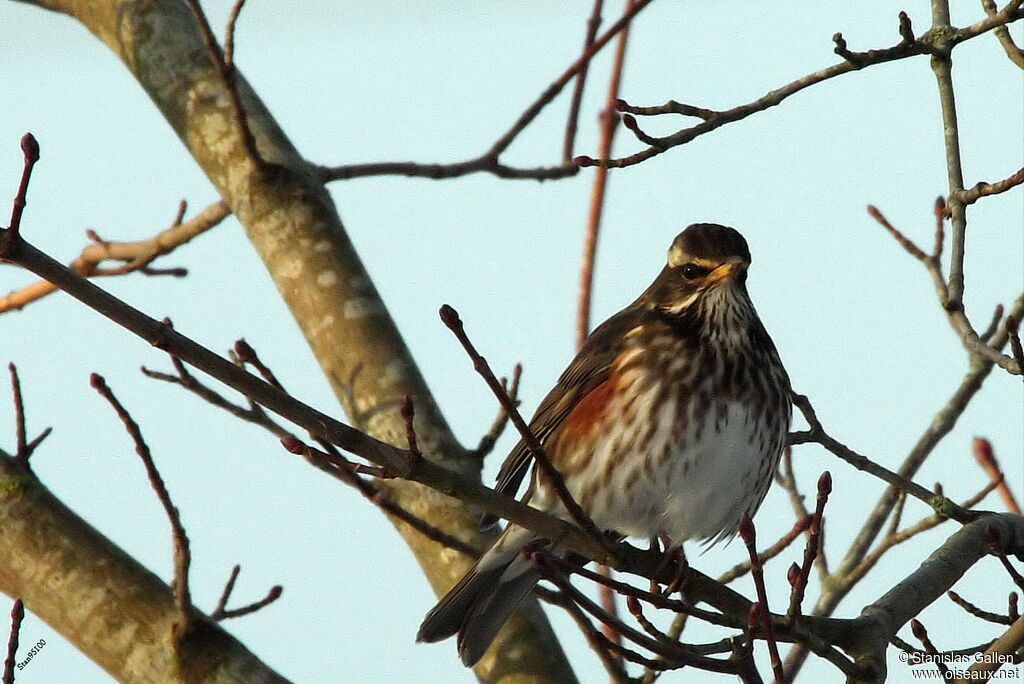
669, 422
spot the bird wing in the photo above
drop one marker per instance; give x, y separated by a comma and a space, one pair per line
588, 371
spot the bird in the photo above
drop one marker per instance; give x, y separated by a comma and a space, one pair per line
669, 422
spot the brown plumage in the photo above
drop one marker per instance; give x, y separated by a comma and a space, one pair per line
669, 421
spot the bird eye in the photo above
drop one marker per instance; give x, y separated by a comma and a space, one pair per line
693, 271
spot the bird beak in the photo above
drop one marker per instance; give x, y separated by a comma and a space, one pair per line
726, 271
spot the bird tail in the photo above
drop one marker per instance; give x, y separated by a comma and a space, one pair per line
479, 605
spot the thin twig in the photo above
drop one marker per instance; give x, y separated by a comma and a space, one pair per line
488, 441
984, 454
811, 550
993, 325
19, 416
922, 635
182, 555
978, 612
609, 122
488, 161
326, 463
740, 569
1002, 33
581, 78
136, 256
672, 652
451, 319
221, 612
928, 44
409, 416
749, 535
17, 615
229, 75
818, 435
30, 152
983, 189
612, 662
229, 34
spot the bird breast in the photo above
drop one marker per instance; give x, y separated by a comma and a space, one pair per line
666, 453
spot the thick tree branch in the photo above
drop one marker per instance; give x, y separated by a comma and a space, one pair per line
291, 220
932, 579
53, 559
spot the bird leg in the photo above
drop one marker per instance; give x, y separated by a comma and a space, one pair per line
673, 556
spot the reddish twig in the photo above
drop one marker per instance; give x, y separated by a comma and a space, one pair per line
749, 535
922, 635
609, 122
451, 319
488, 441
182, 555
986, 458
658, 600
17, 615
581, 78
221, 612
799, 587
978, 612
246, 354
30, 151
672, 652
740, 569
329, 464
611, 661
409, 416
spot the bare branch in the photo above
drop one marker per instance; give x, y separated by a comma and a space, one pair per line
1002, 33
818, 435
221, 612
488, 441
30, 151
977, 612
581, 78
1001, 651
749, 536
812, 547
136, 255
929, 43
451, 319
983, 189
182, 555
984, 454
488, 162
17, 615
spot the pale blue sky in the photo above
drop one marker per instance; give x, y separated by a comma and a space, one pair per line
855, 318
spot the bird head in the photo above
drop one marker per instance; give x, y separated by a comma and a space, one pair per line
705, 259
